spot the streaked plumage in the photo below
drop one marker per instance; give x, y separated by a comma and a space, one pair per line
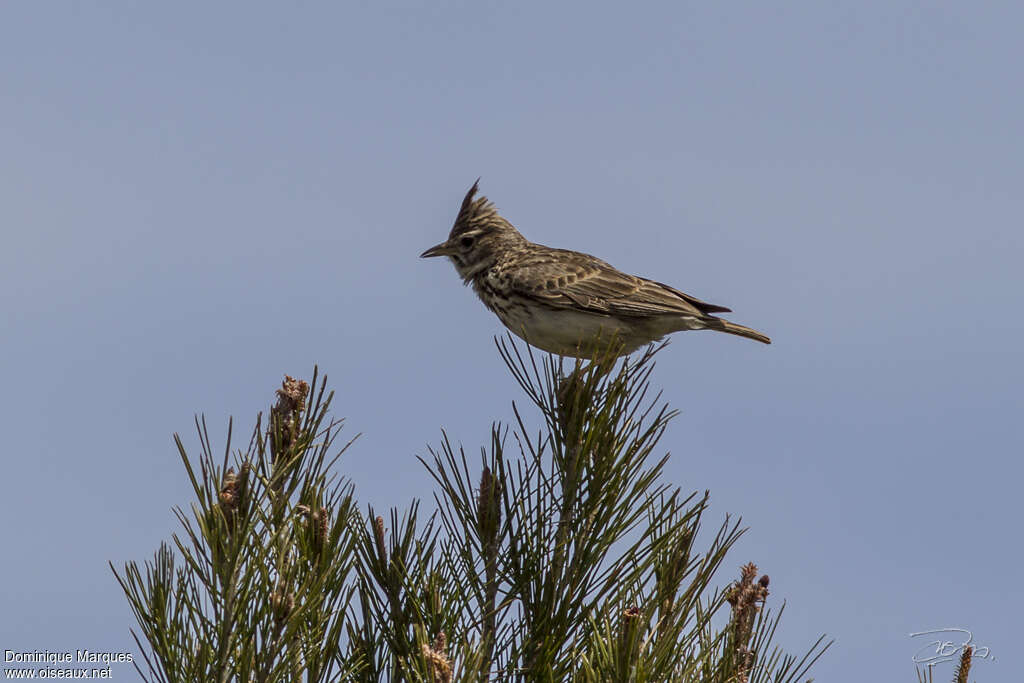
563, 301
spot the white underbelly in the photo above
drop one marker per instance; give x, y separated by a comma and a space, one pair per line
579, 334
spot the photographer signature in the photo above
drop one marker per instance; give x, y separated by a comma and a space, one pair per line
939, 650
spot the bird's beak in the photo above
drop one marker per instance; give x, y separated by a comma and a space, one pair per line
443, 249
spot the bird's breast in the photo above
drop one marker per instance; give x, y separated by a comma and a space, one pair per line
564, 331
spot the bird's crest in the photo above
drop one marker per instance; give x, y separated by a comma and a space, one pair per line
474, 213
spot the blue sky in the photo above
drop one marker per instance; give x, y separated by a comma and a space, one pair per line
196, 199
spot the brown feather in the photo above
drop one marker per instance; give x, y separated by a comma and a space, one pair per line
567, 279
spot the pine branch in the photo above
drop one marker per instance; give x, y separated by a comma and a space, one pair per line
563, 555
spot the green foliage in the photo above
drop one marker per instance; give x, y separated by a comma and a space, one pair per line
263, 583
561, 556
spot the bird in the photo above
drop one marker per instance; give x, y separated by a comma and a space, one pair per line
566, 302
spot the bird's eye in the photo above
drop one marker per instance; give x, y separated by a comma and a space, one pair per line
466, 242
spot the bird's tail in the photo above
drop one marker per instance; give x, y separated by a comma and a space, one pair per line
720, 325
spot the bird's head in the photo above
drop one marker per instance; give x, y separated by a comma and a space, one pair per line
477, 238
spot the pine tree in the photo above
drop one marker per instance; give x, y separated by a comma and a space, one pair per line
559, 554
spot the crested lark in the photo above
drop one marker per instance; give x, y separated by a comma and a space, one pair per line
562, 301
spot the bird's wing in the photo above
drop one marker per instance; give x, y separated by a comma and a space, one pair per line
570, 280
